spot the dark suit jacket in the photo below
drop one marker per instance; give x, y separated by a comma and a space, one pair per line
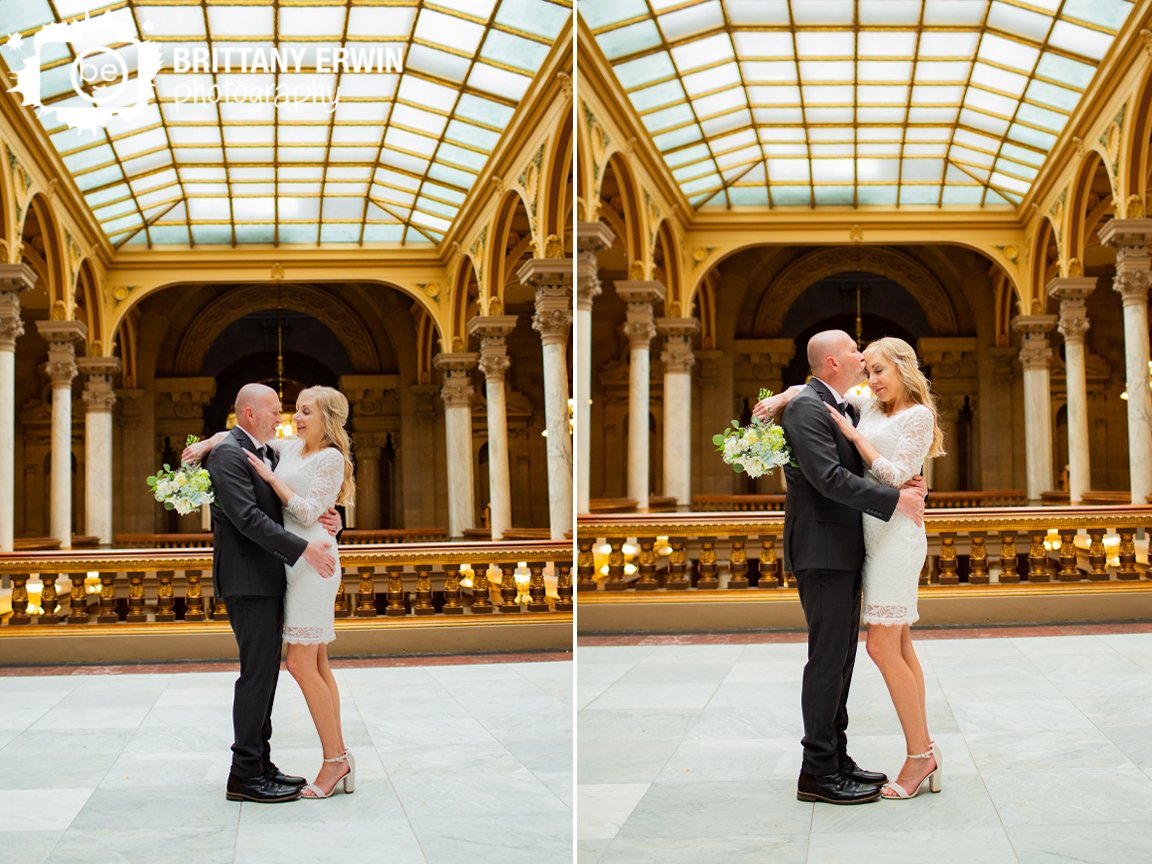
250, 545
823, 529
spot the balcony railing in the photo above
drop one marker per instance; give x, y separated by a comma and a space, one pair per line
139, 586
976, 546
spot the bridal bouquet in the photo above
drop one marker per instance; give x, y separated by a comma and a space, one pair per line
754, 449
184, 489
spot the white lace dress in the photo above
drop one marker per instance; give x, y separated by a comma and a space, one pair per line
309, 605
894, 550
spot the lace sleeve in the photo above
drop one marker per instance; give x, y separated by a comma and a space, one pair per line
322, 492
911, 449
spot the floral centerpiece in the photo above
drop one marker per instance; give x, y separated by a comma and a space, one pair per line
184, 489
754, 449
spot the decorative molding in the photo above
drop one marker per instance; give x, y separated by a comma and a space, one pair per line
813, 266
344, 322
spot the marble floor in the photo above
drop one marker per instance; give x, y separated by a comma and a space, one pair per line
455, 763
689, 753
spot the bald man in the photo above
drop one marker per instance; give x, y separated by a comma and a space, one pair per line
824, 547
250, 551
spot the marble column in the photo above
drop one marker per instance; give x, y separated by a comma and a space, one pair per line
493, 331
639, 327
367, 479
99, 396
61, 337
1131, 237
14, 278
1035, 356
678, 359
591, 237
374, 401
1072, 292
456, 392
552, 280
951, 360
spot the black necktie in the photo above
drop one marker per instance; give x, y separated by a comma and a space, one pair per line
262, 452
842, 407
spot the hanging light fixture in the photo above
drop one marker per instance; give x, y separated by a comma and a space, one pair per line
861, 389
286, 428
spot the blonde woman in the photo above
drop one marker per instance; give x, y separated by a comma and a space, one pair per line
313, 472
898, 428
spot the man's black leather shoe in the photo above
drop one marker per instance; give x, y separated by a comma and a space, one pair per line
834, 788
869, 778
277, 776
260, 789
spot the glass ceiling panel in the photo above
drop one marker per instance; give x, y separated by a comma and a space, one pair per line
952, 103
426, 90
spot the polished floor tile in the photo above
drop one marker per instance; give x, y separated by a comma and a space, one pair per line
1046, 751
455, 763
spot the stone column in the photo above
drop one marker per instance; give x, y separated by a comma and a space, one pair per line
14, 278
639, 328
678, 360
456, 393
99, 397
374, 403
1072, 292
951, 360
1131, 237
493, 331
591, 237
61, 337
367, 479
1034, 357
552, 279
420, 502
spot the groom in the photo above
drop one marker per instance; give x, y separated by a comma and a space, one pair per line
824, 547
250, 550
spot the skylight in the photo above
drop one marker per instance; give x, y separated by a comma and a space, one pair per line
425, 91
855, 102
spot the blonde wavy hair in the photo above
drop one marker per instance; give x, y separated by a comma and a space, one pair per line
333, 407
902, 356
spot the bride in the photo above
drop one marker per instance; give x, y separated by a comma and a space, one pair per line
898, 429
314, 472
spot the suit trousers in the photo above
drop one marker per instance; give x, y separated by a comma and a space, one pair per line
831, 602
257, 623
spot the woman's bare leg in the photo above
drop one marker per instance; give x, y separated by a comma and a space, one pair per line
909, 655
330, 680
303, 663
884, 647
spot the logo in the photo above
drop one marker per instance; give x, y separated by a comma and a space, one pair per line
100, 83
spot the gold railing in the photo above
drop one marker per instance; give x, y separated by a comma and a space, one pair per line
775, 501
203, 540
106, 587
731, 551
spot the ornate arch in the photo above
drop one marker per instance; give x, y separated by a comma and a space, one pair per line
813, 266
558, 175
1078, 213
88, 298
54, 255
666, 239
242, 300
1036, 300
633, 212
1129, 143
466, 273
497, 257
